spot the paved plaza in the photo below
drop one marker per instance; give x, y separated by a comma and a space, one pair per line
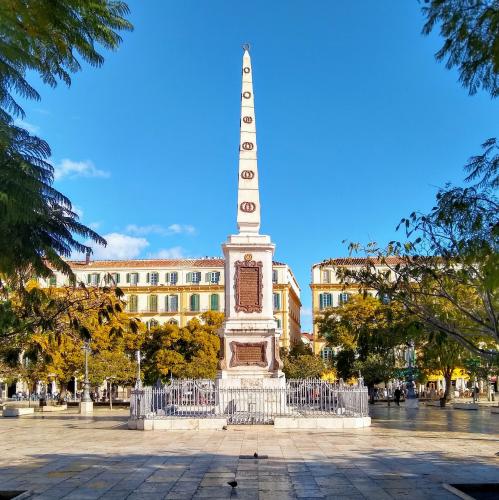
68, 456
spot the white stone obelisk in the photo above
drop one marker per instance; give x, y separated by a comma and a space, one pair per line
249, 355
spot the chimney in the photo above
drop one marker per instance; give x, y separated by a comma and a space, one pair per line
87, 256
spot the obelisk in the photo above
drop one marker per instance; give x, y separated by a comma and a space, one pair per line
249, 354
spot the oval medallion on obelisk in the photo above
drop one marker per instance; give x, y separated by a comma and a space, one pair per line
247, 174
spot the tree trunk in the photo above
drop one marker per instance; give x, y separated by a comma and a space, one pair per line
448, 386
370, 389
64, 390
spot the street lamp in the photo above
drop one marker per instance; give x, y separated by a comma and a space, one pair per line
86, 403
138, 382
86, 384
411, 399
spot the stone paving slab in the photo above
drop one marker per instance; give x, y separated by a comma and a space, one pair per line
73, 457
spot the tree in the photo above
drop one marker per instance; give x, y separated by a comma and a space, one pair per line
439, 353
447, 272
300, 362
376, 368
365, 324
37, 223
470, 29
55, 327
188, 352
46, 37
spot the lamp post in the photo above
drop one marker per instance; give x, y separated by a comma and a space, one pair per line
138, 383
411, 400
86, 403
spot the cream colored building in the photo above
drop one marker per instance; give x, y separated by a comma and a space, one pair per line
177, 290
328, 291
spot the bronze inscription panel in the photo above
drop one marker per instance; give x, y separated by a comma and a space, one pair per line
248, 284
248, 354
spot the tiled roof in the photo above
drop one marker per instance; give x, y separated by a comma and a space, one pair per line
358, 261
152, 263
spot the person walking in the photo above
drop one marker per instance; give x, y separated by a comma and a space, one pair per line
397, 393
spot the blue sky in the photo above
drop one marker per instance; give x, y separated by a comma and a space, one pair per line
357, 126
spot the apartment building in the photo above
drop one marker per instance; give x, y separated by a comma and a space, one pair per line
177, 290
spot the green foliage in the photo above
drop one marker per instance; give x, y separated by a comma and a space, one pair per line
303, 366
37, 223
46, 37
344, 362
188, 352
376, 368
447, 270
470, 29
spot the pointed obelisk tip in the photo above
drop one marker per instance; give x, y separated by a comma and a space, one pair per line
246, 47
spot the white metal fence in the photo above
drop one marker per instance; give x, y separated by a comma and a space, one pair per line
200, 398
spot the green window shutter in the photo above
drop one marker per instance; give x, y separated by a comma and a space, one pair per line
147, 278
98, 279
128, 277
195, 302
167, 277
321, 301
214, 302
117, 278
189, 277
167, 305
153, 303
89, 278
207, 277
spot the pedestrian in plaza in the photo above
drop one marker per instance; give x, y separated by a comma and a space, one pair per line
397, 393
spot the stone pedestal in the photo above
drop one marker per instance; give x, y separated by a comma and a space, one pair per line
86, 407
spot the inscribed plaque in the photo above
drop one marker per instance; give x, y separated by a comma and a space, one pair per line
248, 354
248, 285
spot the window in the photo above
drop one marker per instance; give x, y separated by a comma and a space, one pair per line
53, 281
278, 321
213, 277
132, 278
325, 300
194, 302
152, 278
115, 278
277, 301
171, 278
327, 353
152, 324
326, 276
171, 303
343, 298
194, 277
214, 302
93, 279
153, 303
274, 276
133, 303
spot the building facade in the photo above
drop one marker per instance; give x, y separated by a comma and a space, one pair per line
176, 290
328, 291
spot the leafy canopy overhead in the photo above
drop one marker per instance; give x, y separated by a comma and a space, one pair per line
37, 223
470, 29
46, 38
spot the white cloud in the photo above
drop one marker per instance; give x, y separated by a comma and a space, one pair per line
94, 225
161, 230
72, 169
119, 246
32, 129
168, 253
181, 228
